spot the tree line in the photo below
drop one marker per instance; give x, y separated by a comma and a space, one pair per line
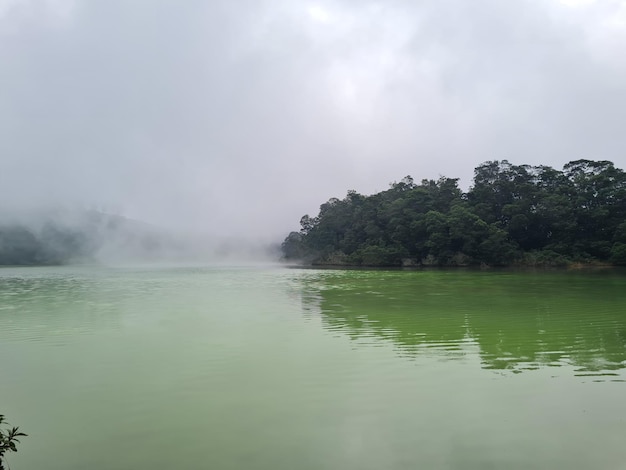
512, 214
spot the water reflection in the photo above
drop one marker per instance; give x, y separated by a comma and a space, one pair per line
514, 321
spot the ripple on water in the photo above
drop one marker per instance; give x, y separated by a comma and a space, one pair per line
254, 368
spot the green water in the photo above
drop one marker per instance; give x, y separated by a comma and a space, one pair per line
273, 368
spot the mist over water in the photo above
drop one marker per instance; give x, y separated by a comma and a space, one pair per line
61, 236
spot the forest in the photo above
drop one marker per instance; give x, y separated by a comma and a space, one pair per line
511, 215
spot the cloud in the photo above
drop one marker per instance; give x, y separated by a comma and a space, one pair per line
235, 118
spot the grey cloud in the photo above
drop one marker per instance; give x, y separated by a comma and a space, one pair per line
235, 118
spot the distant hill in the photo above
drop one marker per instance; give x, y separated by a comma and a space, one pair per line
63, 237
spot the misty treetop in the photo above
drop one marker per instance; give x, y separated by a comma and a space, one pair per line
512, 214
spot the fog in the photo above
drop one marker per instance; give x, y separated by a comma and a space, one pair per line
229, 120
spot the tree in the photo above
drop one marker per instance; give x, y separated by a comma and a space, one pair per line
597, 194
293, 246
8, 440
511, 214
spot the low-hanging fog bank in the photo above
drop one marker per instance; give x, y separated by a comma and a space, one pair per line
61, 236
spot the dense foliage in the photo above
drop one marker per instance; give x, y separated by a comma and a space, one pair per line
8, 440
512, 214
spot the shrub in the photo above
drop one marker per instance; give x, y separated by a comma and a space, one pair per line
8, 440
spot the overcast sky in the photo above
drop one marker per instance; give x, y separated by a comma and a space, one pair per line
239, 116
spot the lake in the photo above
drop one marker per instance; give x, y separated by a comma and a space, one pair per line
266, 367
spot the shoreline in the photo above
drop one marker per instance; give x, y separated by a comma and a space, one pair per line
511, 267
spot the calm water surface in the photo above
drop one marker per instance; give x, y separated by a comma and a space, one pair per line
273, 368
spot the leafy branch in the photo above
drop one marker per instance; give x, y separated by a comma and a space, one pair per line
8, 440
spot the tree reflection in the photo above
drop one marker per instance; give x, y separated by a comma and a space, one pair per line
518, 320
